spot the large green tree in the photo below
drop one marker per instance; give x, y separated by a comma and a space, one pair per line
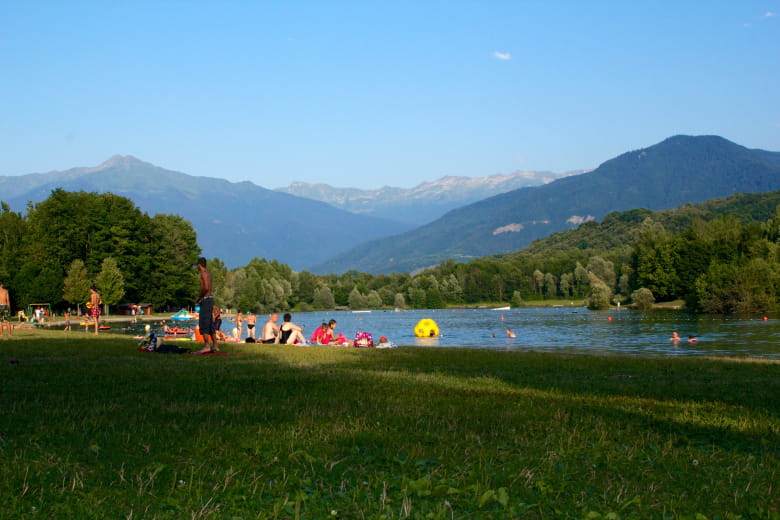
12, 233
156, 256
170, 276
88, 226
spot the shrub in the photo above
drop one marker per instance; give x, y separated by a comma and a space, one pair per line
643, 298
600, 293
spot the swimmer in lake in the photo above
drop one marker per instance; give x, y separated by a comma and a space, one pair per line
675, 337
692, 340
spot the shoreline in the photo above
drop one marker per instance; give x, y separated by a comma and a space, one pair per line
60, 322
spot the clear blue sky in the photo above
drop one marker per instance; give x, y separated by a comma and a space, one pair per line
367, 94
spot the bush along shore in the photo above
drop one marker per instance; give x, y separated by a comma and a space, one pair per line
92, 428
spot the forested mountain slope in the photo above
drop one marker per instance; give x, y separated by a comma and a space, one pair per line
679, 170
619, 229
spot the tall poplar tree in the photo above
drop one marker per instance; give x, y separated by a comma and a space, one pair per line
76, 290
110, 283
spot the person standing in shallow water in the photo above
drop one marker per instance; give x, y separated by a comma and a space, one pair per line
206, 318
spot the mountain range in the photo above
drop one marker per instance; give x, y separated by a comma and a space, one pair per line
239, 221
425, 202
234, 221
679, 170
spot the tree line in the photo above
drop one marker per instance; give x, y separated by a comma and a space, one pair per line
719, 264
59, 247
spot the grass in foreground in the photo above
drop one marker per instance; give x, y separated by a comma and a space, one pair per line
90, 428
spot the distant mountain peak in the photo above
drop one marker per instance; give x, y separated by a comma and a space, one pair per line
425, 202
122, 162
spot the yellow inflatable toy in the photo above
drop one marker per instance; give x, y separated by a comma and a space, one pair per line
426, 328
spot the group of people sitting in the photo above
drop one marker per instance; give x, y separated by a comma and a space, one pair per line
288, 333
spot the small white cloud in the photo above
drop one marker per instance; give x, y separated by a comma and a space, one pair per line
502, 55
769, 14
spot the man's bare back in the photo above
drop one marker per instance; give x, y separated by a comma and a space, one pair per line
270, 329
205, 284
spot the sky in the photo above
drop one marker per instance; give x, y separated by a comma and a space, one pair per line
368, 93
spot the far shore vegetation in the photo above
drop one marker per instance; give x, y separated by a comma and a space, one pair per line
721, 256
90, 428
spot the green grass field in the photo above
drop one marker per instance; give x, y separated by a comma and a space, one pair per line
91, 428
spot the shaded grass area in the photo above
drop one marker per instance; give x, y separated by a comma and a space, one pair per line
90, 428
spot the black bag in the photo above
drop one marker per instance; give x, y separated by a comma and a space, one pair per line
171, 349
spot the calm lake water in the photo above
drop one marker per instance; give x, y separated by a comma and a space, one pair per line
560, 330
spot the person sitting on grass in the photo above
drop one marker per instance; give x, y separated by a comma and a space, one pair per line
290, 333
270, 332
317, 336
329, 336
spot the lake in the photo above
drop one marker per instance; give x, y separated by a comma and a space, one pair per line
561, 329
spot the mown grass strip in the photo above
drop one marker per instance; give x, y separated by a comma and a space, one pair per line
90, 428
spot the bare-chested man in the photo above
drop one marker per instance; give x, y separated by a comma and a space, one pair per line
270, 330
5, 310
206, 318
251, 320
95, 302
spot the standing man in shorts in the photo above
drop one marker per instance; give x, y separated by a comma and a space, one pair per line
251, 320
5, 310
95, 301
206, 318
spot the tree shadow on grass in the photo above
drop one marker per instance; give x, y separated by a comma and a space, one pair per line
698, 401
447, 417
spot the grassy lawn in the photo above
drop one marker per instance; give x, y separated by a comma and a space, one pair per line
91, 428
